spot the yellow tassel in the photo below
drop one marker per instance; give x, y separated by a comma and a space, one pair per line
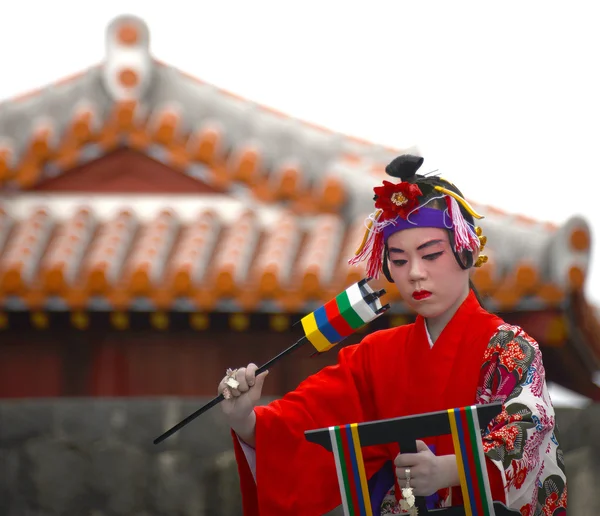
464, 203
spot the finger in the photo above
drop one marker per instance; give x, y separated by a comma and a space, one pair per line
401, 474
232, 383
260, 379
240, 376
222, 385
226, 393
251, 374
421, 487
258, 386
406, 460
421, 446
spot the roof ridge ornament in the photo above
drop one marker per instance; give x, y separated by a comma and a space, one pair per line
127, 69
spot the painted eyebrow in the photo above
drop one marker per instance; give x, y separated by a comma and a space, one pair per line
422, 246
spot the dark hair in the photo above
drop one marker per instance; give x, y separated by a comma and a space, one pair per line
405, 168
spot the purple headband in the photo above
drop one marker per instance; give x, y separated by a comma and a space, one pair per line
423, 218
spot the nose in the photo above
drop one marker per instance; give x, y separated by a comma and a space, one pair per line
416, 271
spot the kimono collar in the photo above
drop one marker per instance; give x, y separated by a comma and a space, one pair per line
459, 321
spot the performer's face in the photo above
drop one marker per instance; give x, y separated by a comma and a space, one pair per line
425, 271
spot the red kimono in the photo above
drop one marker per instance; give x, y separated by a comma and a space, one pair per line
391, 373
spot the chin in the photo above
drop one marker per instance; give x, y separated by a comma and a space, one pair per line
426, 310
423, 309
430, 313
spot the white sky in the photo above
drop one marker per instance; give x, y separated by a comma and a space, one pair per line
502, 97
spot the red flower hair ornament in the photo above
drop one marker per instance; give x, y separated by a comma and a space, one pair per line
395, 203
396, 199
391, 201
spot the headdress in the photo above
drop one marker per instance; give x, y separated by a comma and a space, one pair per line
403, 205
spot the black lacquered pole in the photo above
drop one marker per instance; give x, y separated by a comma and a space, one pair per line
220, 397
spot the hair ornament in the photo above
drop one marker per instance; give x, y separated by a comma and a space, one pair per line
465, 237
462, 201
481, 260
396, 203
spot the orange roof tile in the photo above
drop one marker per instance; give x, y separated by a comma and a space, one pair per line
219, 252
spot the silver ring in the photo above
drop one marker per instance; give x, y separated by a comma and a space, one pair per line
231, 381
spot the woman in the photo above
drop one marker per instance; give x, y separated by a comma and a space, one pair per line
422, 236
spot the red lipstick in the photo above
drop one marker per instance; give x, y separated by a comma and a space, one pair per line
421, 294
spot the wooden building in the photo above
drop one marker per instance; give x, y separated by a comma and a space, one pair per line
155, 229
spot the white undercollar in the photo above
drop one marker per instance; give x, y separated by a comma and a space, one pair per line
428, 335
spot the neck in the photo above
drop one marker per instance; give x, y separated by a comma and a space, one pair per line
436, 325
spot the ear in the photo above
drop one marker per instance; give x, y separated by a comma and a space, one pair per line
464, 259
468, 259
474, 258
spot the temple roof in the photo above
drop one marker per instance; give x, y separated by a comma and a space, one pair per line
132, 185
213, 249
63, 146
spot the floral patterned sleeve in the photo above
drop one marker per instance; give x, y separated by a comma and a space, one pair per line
522, 443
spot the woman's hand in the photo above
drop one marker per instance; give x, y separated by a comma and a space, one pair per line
242, 391
428, 472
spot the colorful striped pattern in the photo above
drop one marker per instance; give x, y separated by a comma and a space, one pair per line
338, 318
350, 467
474, 482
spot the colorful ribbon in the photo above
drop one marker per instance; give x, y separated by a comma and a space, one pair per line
468, 447
350, 468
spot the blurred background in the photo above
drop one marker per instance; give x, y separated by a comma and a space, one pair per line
180, 184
